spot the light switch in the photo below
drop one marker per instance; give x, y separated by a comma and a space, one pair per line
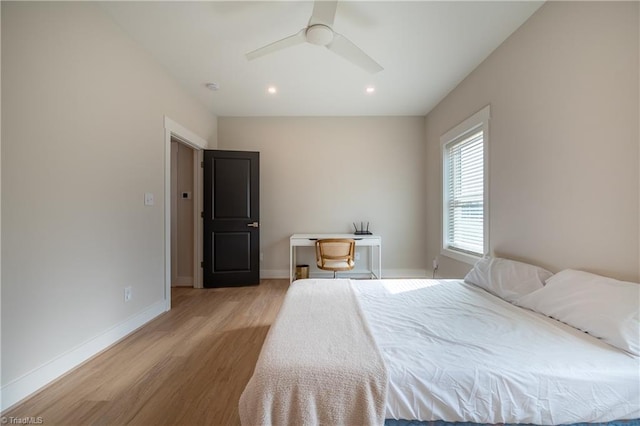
148, 199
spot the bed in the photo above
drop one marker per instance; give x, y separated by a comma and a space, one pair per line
376, 351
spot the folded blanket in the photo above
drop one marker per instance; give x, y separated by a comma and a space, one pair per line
319, 364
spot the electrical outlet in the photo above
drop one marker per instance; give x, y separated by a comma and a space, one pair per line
357, 256
127, 294
435, 263
261, 256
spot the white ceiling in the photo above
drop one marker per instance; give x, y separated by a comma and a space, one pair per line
425, 47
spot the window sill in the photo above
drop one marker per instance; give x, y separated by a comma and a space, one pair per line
471, 259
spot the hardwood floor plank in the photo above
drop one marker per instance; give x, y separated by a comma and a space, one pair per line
188, 366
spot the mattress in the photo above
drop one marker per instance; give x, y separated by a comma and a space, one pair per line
459, 354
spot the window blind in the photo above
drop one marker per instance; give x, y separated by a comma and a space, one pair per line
465, 209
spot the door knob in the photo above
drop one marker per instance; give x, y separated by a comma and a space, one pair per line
253, 224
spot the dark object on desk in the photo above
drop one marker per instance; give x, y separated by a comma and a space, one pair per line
362, 230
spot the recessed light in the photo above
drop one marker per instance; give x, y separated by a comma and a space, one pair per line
212, 86
272, 90
370, 89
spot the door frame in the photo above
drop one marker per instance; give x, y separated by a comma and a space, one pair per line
176, 131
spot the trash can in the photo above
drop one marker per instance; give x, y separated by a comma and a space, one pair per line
302, 272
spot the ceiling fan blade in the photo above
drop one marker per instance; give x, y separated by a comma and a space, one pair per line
324, 12
293, 40
342, 46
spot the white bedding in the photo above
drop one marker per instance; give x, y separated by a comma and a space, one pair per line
456, 353
319, 364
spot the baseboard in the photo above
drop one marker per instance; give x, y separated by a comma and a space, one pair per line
386, 273
183, 282
272, 274
364, 274
22, 387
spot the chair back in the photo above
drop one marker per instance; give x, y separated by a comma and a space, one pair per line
335, 254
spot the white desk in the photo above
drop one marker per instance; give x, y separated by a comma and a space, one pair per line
371, 241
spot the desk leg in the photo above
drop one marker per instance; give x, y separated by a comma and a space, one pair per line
292, 262
380, 262
371, 273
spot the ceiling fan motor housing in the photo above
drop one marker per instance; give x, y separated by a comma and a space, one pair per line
319, 34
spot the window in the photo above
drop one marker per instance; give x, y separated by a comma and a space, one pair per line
464, 190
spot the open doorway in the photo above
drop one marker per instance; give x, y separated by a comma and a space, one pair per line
182, 135
183, 208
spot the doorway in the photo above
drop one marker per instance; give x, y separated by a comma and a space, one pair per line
183, 223
186, 137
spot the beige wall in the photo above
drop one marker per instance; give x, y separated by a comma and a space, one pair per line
321, 174
564, 141
82, 140
0, 196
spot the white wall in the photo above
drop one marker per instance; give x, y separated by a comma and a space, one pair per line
320, 174
0, 203
564, 141
83, 139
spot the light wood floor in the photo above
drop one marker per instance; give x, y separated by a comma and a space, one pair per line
186, 367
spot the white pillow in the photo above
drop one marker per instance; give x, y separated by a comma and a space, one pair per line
507, 279
603, 307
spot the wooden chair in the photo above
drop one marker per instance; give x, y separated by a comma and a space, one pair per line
335, 254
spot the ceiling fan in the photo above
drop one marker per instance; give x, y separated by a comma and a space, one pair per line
319, 32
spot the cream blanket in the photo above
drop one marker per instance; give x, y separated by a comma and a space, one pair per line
319, 364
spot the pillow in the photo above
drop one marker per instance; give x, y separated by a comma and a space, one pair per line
506, 278
603, 307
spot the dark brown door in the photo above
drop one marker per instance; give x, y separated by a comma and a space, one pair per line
231, 218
